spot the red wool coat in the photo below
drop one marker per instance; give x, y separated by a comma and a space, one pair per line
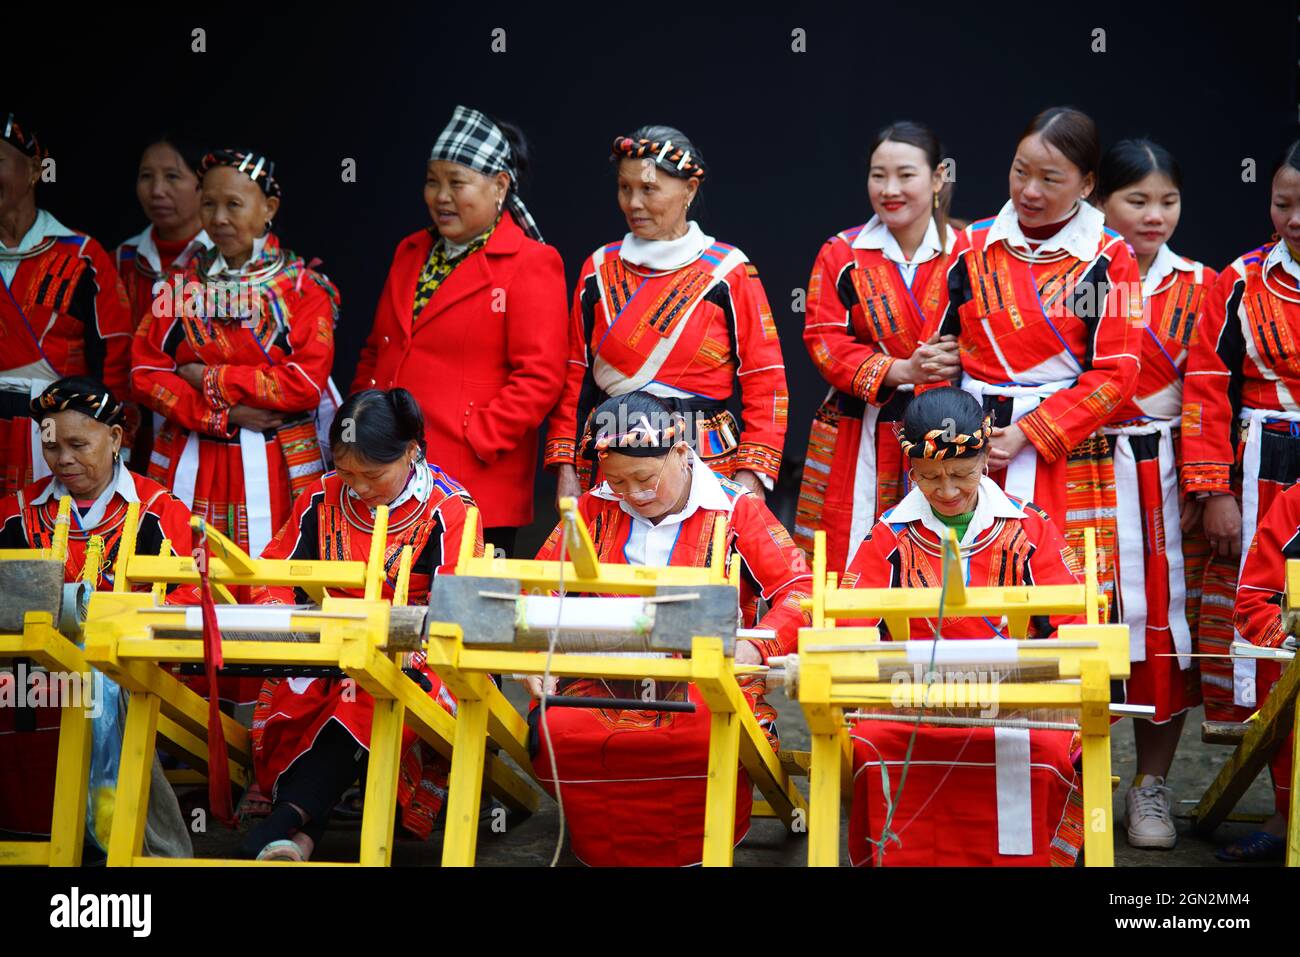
484, 358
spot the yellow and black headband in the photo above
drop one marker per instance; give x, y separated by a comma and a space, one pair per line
640, 440
947, 443
99, 404
665, 154
19, 137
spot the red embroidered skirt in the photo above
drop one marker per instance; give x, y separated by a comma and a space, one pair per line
948, 811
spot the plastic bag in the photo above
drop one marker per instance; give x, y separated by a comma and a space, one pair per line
108, 727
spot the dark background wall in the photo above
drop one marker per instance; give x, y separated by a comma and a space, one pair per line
785, 133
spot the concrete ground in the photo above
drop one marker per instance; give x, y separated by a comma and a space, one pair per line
531, 842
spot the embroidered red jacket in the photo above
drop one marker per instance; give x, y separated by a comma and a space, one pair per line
278, 357
1258, 614
1245, 354
67, 305
1009, 552
329, 523
1169, 317
140, 269
24, 525
694, 330
861, 316
1034, 323
772, 566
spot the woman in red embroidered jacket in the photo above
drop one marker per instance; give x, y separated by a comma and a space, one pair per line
63, 311
310, 737
633, 782
1241, 406
167, 186
874, 288
1046, 304
239, 363
1259, 621
674, 312
1159, 570
79, 422
472, 322
973, 796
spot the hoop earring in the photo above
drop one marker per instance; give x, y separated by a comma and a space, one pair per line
266, 230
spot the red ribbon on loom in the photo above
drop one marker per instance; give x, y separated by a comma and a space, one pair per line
218, 766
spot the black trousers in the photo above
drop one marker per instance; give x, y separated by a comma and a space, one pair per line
314, 783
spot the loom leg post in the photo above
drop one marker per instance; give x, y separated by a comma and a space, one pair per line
1098, 834
71, 780
380, 804
131, 809
824, 802
720, 802
1293, 820
465, 784
1098, 823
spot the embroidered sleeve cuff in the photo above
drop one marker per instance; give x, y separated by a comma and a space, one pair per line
1049, 441
760, 459
768, 649
1207, 478
1273, 635
214, 390
217, 422
560, 451
869, 380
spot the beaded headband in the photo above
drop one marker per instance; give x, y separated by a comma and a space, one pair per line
946, 443
670, 158
640, 440
259, 168
17, 136
100, 406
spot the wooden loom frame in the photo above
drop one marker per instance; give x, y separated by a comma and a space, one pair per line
120, 642
839, 670
735, 738
41, 641
1266, 730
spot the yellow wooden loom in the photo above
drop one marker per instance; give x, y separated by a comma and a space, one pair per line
839, 670
133, 638
473, 633
1262, 733
33, 633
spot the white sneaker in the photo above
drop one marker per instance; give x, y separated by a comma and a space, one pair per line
1149, 820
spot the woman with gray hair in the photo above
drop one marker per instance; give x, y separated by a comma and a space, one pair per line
472, 321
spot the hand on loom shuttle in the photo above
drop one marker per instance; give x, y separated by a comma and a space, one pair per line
1005, 445
534, 685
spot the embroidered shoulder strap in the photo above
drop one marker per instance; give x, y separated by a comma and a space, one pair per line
665, 319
